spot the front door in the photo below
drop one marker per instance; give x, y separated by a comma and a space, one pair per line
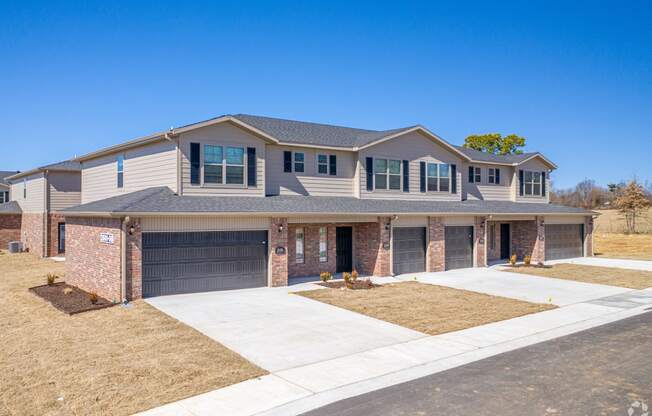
344, 249
504, 241
61, 241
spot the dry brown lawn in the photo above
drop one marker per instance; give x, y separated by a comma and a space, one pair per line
623, 246
426, 308
612, 221
633, 279
113, 361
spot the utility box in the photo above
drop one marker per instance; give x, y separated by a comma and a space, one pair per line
15, 246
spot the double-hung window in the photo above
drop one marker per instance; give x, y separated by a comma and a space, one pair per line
387, 174
121, 165
323, 244
532, 183
475, 175
438, 177
433, 183
299, 241
224, 167
299, 162
24, 188
444, 177
493, 176
322, 164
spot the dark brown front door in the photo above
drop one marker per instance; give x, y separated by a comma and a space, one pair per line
504, 241
344, 249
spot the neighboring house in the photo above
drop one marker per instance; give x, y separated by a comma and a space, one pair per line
243, 201
9, 213
5, 187
39, 195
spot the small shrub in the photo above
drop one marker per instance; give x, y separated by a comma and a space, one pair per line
512, 260
92, 297
51, 277
354, 275
368, 283
527, 260
346, 276
67, 291
325, 276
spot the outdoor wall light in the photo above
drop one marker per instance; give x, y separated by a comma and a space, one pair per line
132, 229
280, 228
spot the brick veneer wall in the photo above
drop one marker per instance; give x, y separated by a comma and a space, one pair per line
493, 253
311, 265
10, 225
91, 265
134, 260
32, 232
278, 262
367, 247
528, 239
480, 242
383, 263
53, 233
436, 245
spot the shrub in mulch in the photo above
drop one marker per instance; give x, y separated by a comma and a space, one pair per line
354, 285
70, 299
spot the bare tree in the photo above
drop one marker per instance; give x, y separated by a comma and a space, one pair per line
631, 202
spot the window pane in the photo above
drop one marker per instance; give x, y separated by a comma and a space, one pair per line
444, 170
528, 176
323, 245
235, 155
298, 166
234, 175
394, 181
299, 245
432, 169
443, 184
120, 179
212, 173
381, 181
212, 154
528, 189
322, 159
432, 184
380, 166
537, 189
537, 177
395, 167
120, 163
322, 169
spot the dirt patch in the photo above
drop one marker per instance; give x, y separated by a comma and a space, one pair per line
69, 299
623, 246
114, 361
633, 279
357, 285
426, 308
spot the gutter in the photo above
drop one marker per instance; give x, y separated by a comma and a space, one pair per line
294, 214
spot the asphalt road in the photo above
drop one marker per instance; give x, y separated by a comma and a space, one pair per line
601, 371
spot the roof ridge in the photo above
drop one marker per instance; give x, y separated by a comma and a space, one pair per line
307, 122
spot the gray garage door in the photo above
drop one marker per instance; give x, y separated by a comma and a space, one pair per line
187, 262
409, 249
459, 247
564, 241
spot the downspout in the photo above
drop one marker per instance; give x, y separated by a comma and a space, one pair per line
123, 260
170, 137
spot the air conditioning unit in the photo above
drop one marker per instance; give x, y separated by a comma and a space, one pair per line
15, 246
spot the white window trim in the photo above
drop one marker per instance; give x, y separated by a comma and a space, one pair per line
491, 176
328, 164
438, 178
224, 165
400, 174
294, 162
118, 171
477, 172
532, 183
300, 231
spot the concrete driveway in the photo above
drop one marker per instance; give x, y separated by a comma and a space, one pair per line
277, 330
517, 286
603, 262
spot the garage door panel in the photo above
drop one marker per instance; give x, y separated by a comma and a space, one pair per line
409, 249
186, 262
458, 246
564, 241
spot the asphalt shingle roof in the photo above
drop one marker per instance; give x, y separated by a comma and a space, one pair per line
6, 173
10, 208
163, 200
66, 165
490, 157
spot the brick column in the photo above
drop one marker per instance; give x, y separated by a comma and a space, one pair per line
539, 251
279, 262
588, 236
480, 242
382, 267
436, 245
134, 261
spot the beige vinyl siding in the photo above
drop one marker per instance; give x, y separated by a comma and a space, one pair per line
535, 165
224, 134
563, 219
410, 221
35, 201
144, 167
308, 182
414, 147
485, 190
203, 223
64, 190
331, 219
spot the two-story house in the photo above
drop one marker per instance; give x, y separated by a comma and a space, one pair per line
9, 213
244, 201
37, 198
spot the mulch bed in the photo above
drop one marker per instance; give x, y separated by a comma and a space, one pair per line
357, 285
531, 266
77, 301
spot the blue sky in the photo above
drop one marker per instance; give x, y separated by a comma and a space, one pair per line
574, 78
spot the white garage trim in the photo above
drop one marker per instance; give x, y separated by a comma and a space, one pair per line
180, 224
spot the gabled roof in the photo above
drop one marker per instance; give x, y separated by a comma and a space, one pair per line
11, 207
162, 201
479, 156
4, 174
65, 166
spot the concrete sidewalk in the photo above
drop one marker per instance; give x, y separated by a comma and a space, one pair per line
299, 389
603, 262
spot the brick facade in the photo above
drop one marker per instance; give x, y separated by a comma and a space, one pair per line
312, 265
90, 264
134, 260
53, 234
436, 250
278, 238
480, 242
367, 247
32, 233
383, 263
10, 225
528, 239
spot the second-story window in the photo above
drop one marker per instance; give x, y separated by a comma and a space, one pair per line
24, 188
121, 172
235, 165
387, 174
493, 176
223, 167
532, 183
327, 165
438, 177
475, 174
299, 162
213, 164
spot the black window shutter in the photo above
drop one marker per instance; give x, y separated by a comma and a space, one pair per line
251, 166
521, 185
332, 162
195, 164
370, 174
453, 179
543, 183
422, 176
471, 174
287, 161
497, 176
406, 176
